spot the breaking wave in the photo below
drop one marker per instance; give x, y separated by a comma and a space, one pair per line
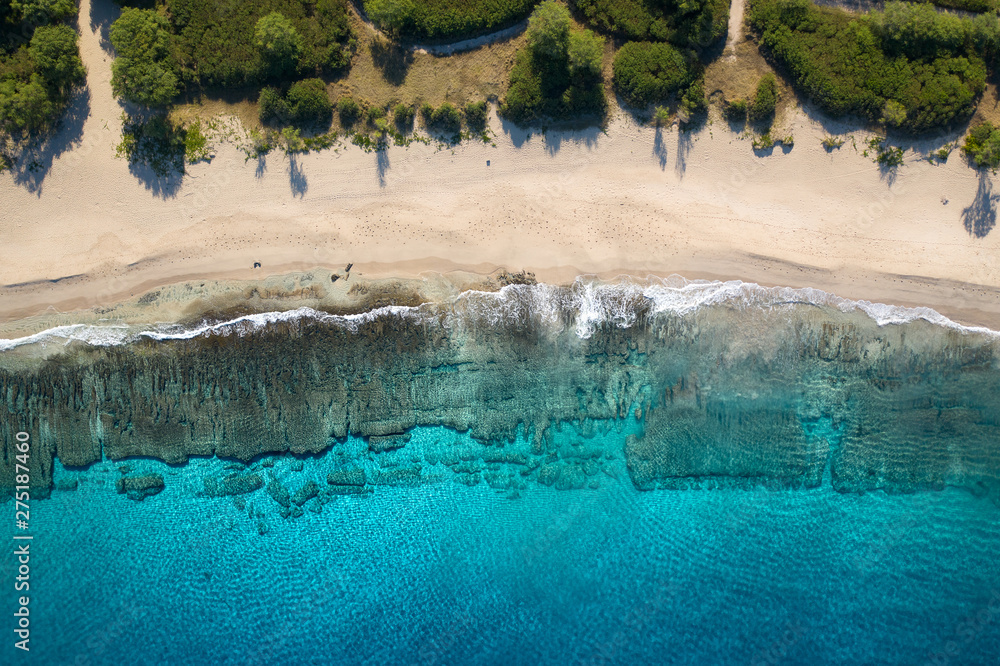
582, 306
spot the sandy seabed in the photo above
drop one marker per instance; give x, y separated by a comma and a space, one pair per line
84, 230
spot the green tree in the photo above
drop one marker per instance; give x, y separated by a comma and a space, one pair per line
765, 100
394, 16
25, 106
649, 72
278, 42
585, 53
548, 30
141, 33
309, 101
893, 113
476, 115
982, 145
446, 118
56, 56
143, 82
272, 109
348, 110
40, 12
143, 71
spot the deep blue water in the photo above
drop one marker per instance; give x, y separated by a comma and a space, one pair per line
450, 574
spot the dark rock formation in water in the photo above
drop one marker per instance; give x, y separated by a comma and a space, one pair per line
140, 487
788, 395
232, 484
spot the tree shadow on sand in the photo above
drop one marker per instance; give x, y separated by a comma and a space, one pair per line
158, 183
981, 216
105, 12
685, 141
382, 165
660, 148
160, 169
34, 160
296, 177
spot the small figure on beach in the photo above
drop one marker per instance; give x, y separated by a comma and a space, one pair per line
256, 264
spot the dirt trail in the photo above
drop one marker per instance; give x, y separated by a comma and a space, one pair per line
736, 9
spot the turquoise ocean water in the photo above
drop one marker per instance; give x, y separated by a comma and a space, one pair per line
450, 574
599, 474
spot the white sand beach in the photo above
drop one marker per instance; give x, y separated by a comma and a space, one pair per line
629, 199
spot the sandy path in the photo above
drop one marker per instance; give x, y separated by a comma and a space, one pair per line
631, 200
736, 11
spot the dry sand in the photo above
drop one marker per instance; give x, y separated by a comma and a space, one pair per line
632, 200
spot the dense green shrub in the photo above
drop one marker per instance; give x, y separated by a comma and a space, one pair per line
649, 72
25, 106
39, 64
968, 5
43, 12
445, 19
309, 102
306, 103
856, 65
56, 56
558, 74
348, 111
735, 111
374, 113
982, 145
278, 43
765, 99
476, 115
143, 70
426, 111
446, 118
689, 23
272, 109
402, 115
216, 42
693, 101
542, 88
586, 55
548, 30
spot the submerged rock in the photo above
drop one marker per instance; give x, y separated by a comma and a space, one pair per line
279, 493
399, 476
346, 477
306, 493
232, 484
383, 443
66, 484
140, 487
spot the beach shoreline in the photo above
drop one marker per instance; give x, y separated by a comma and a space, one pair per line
208, 297
88, 230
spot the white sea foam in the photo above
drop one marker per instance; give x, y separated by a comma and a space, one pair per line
585, 305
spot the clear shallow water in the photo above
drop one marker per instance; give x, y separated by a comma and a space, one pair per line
525, 540
450, 574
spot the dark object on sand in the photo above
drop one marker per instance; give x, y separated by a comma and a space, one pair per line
334, 277
348, 269
256, 264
